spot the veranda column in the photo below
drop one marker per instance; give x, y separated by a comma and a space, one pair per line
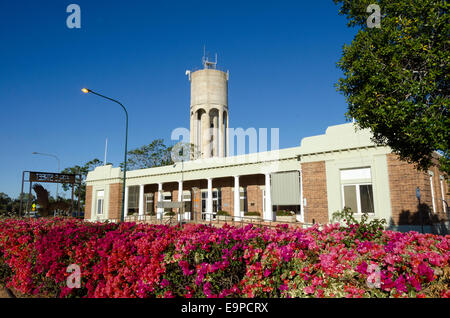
160, 211
302, 208
268, 213
141, 202
237, 199
180, 198
209, 203
125, 213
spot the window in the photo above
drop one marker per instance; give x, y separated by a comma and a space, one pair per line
133, 199
216, 201
357, 191
149, 206
358, 197
352, 174
167, 197
204, 198
243, 199
100, 195
187, 204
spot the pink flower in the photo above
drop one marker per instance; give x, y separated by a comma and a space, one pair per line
309, 289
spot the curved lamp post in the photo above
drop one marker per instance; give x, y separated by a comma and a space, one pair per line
86, 90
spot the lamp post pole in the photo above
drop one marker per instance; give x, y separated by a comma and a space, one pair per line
86, 90
182, 195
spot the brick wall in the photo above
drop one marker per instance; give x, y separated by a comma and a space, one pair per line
88, 203
254, 192
115, 200
315, 191
226, 188
404, 178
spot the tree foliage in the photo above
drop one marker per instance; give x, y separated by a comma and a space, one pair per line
83, 170
397, 76
10, 207
155, 154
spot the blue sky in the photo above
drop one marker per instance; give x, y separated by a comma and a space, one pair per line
281, 56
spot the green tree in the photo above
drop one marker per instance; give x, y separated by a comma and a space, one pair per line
155, 154
83, 171
5, 203
397, 76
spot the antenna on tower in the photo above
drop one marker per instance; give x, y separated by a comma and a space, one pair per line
206, 62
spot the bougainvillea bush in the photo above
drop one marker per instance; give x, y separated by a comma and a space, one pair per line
141, 260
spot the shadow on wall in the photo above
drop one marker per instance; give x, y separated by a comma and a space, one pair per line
432, 222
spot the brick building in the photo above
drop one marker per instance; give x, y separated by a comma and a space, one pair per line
324, 174
340, 168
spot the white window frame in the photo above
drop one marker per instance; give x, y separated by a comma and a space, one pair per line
100, 198
243, 197
165, 198
356, 173
216, 199
187, 198
149, 198
358, 197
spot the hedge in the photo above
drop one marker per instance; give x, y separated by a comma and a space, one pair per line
141, 260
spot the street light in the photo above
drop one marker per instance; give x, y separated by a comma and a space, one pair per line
59, 169
86, 90
181, 152
182, 193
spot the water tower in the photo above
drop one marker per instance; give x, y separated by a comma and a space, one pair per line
209, 110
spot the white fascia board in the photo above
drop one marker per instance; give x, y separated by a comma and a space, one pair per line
254, 163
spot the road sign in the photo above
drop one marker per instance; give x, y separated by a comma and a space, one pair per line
168, 205
33, 207
52, 177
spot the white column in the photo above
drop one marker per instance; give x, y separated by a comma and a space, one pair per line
159, 211
302, 209
237, 199
268, 214
141, 202
180, 198
209, 203
125, 213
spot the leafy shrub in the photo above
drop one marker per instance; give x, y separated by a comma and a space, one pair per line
5, 271
223, 213
253, 213
363, 229
284, 213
